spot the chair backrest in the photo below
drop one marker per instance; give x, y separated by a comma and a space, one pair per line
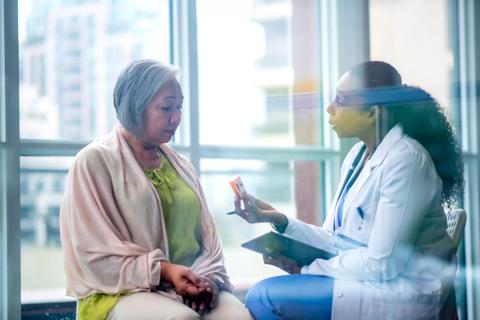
456, 220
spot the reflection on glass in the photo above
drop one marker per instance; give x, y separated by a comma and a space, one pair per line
278, 183
71, 53
255, 75
42, 182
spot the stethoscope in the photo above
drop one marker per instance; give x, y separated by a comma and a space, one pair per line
348, 181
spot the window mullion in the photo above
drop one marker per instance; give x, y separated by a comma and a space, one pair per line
184, 17
50, 148
10, 168
469, 53
268, 153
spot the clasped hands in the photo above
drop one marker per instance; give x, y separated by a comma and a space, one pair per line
199, 293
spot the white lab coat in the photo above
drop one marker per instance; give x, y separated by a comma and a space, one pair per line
404, 264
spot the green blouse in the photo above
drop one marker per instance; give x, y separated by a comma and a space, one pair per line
181, 212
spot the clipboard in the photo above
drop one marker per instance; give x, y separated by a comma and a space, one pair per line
274, 244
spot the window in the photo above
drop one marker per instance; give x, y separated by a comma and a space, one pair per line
257, 91
429, 63
241, 59
257, 77
71, 53
57, 78
42, 263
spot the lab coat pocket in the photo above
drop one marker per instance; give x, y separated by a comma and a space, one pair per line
360, 223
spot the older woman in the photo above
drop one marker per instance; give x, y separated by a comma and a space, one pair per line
138, 239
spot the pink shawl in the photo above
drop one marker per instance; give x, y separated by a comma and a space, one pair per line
111, 222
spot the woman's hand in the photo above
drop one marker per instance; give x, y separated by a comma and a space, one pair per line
184, 281
283, 263
258, 211
205, 301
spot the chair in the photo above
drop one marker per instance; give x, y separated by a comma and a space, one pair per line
456, 220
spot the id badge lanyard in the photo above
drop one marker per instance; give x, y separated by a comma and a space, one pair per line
347, 183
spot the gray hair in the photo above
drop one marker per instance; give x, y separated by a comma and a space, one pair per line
136, 85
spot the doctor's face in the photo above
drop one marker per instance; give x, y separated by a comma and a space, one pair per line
350, 120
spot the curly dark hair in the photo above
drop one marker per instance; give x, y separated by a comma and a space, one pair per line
426, 122
423, 119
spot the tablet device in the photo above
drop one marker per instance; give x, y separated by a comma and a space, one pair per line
274, 244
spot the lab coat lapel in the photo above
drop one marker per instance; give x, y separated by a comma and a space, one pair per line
358, 186
378, 156
332, 213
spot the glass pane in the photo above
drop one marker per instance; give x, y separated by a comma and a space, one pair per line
259, 87
281, 184
421, 49
42, 182
425, 50
71, 53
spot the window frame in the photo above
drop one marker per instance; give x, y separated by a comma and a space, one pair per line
336, 33
468, 60
9, 167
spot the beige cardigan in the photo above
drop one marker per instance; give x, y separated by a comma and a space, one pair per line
111, 222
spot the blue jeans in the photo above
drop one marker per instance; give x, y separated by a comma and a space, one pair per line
297, 296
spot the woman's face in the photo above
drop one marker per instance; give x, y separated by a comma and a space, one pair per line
352, 120
163, 114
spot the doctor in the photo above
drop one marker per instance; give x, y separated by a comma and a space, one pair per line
386, 220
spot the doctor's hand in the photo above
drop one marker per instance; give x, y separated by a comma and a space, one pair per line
257, 211
284, 263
